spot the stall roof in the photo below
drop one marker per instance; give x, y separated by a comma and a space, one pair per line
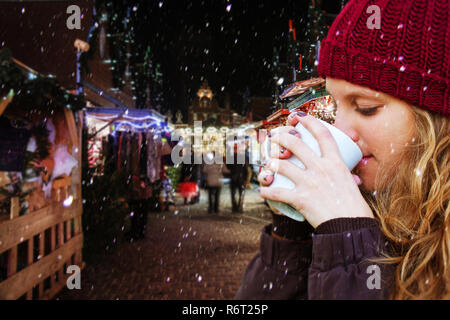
305, 98
300, 87
276, 115
274, 119
141, 119
127, 113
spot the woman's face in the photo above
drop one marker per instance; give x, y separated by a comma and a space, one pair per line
380, 124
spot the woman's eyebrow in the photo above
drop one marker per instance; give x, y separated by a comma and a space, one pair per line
365, 94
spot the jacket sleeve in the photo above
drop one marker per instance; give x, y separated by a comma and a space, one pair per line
342, 264
279, 271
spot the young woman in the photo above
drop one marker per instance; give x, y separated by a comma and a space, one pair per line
382, 230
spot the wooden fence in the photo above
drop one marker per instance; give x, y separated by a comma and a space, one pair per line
36, 248
39, 246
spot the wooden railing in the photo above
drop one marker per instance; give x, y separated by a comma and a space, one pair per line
39, 246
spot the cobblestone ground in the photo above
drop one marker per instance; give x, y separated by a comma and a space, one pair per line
189, 254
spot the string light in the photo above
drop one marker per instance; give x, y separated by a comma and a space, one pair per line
141, 118
143, 123
137, 126
108, 118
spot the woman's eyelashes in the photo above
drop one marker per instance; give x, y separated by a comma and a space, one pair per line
367, 111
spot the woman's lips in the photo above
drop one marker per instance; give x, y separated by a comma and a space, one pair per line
364, 161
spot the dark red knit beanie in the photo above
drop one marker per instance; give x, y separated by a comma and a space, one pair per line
408, 57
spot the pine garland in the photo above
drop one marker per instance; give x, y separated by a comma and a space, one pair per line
33, 93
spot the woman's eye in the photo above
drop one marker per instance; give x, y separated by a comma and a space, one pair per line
367, 111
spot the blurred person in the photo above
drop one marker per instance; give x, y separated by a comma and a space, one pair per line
238, 178
214, 175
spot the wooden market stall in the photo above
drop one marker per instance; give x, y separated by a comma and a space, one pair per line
40, 221
311, 97
308, 96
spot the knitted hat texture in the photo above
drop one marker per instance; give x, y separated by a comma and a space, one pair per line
407, 55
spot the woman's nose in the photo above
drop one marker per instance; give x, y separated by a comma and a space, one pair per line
345, 125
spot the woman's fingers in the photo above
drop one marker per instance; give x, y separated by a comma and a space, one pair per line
287, 169
285, 129
292, 119
276, 151
277, 194
265, 177
328, 146
297, 147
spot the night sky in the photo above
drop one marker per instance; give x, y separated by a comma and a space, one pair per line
228, 43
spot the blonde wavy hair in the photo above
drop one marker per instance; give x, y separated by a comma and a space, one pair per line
414, 212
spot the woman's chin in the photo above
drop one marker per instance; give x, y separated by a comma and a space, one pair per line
366, 189
367, 183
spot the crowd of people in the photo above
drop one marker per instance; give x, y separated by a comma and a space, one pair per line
210, 175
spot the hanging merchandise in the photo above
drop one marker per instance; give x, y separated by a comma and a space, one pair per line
64, 162
130, 149
94, 153
151, 151
165, 148
135, 154
119, 150
143, 155
158, 158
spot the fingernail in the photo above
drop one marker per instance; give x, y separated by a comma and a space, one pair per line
301, 113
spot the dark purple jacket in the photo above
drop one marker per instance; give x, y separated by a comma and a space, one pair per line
331, 264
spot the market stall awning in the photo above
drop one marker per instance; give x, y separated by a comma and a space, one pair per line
300, 87
123, 118
125, 114
278, 115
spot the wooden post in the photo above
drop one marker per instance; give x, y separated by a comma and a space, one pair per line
4, 101
52, 238
12, 261
57, 196
68, 229
15, 207
52, 248
60, 244
76, 226
12, 256
70, 121
30, 260
79, 258
60, 234
41, 255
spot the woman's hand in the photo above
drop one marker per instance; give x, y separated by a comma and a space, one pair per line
325, 189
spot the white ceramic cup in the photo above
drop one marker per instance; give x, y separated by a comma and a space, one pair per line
350, 153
